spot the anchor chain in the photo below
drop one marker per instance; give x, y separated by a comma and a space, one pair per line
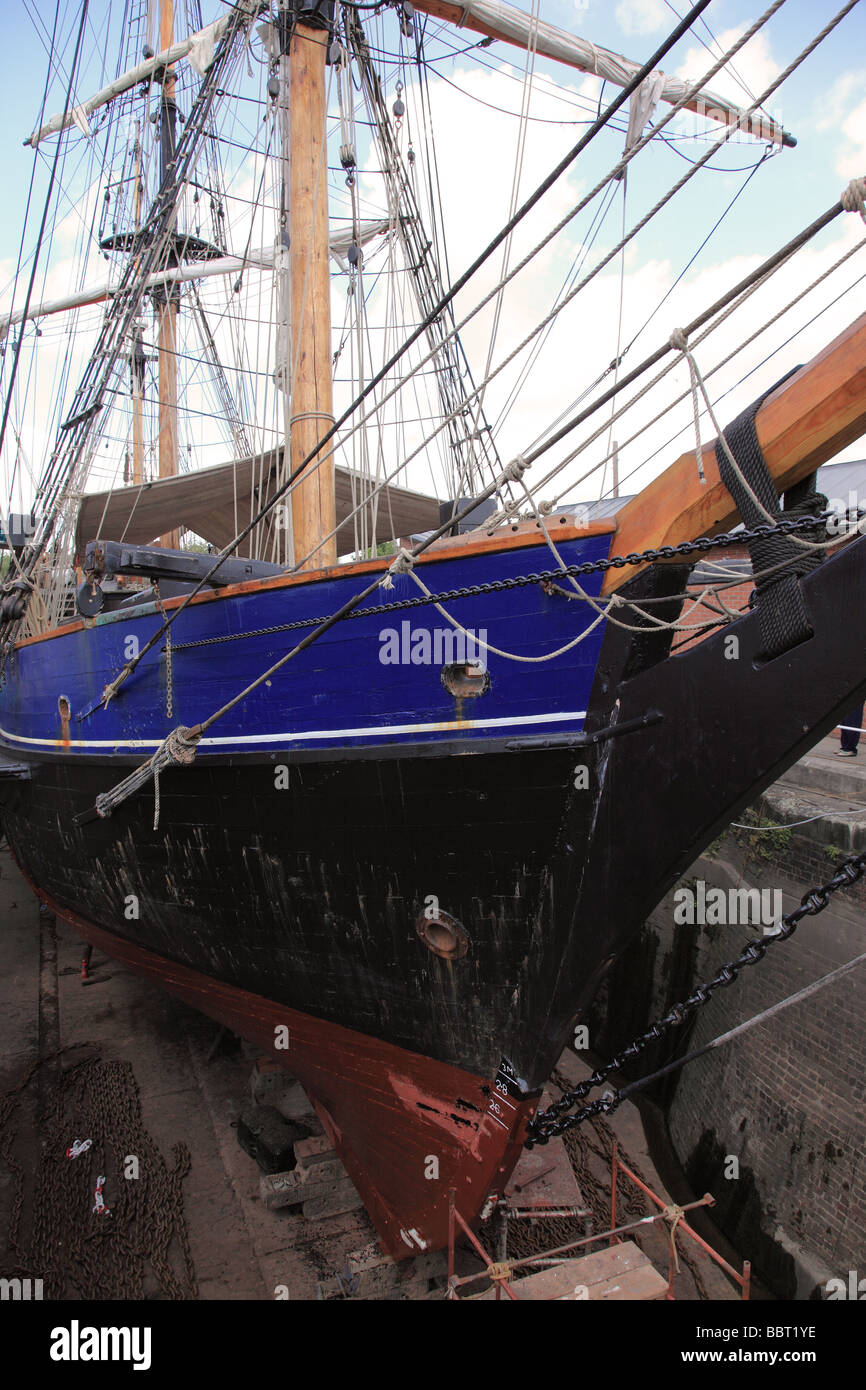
519, 581
554, 1121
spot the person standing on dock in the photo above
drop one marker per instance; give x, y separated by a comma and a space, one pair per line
851, 727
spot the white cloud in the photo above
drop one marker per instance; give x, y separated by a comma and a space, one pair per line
851, 161
642, 16
752, 70
840, 111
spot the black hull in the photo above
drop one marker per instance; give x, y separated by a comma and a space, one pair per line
310, 896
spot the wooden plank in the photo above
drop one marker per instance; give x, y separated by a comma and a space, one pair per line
622, 1272
800, 426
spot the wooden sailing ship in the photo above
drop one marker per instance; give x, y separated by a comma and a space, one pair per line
416, 873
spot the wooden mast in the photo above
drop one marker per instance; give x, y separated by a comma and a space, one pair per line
309, 367
138, 359
167, 302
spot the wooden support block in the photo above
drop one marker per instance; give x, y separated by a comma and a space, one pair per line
371, 1274
333, 1200
621, 1273
314, 1150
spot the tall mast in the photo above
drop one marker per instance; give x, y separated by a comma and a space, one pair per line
306, 32
137, 363
166, 302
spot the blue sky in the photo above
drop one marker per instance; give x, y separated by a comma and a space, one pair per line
823, 105
807, 102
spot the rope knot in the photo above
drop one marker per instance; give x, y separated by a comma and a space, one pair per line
514, 470
403, 563
111, 690
678, 340
854, 197
181, 745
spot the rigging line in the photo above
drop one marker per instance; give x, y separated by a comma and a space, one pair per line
501, 110
617, 361
504, 66
595, 227
517, 175
603, 612
710, 234
669, 142
623, 162
60, 145
768, 266
724, 361
618, 101
602, 608
740, 82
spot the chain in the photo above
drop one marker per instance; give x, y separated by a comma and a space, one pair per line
554, 1121
111, 1256
496, 586
169, 694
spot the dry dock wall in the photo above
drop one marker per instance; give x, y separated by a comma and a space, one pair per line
774, 1123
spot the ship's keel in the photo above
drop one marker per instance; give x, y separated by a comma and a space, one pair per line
408, 1129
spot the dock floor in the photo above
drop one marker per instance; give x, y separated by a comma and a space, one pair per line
192, 1092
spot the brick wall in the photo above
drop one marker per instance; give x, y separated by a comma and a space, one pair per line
788, 1098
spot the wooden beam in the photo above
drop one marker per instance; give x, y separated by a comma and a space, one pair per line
167, 309
313, 508
801, 425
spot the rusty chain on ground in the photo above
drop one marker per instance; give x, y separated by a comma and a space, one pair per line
141, 1249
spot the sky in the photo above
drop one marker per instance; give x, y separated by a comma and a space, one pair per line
476, 109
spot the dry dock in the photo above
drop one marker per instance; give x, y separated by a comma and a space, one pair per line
193, 1084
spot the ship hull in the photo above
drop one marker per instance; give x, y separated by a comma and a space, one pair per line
318, 905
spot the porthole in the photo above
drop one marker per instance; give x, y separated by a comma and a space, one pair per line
443, 935
466, 679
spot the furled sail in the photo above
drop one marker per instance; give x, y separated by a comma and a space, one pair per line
501, 21
198, 48
260, 258
211, 502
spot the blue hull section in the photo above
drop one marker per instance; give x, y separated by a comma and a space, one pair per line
370, 682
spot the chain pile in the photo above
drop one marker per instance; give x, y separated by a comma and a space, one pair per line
555, 1121
138, 1249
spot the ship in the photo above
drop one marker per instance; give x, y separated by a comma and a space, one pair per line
381, 779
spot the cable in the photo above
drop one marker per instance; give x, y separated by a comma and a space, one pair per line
45, 211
